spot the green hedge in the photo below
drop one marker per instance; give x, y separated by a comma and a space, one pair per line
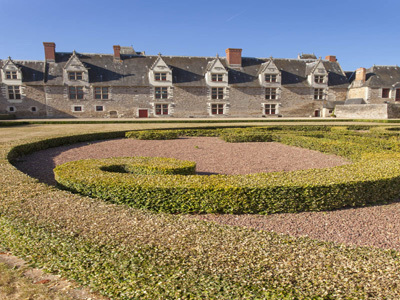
153, 134
358, 184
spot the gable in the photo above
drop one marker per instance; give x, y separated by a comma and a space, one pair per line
216, 66
160, 65
74, 64
11, 73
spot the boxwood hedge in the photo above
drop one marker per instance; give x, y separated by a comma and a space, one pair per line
362, 183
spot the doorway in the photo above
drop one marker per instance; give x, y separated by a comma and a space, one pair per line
143, 113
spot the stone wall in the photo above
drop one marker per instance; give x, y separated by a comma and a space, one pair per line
360, 92
31, 105
362, 111
184, 102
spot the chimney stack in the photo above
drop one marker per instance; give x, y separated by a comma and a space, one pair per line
117, 52
361, 74
49, 51
234, 57
331, 58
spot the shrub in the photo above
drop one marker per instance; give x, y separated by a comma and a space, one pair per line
246, 137
153, 134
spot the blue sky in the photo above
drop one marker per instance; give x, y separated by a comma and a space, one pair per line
359, 33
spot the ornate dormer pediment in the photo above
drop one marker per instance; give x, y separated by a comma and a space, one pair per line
11, 73
216, 74
269, 74
160, 74
317, 75
75, 72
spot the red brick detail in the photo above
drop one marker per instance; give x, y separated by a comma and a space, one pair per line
49, 51
361, 74
331, 58
117, 52
234, 56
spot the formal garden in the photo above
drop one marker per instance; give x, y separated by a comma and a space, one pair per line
120, 225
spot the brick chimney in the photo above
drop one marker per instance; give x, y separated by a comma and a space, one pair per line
361, 74
234, 57
49, 51
331, 58
117, 52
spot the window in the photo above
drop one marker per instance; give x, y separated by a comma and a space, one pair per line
385, 93
318, 94
160, 76
75, 92
11, 75
161, 109
101, 93
14, 92
319, 79
270, 78
77, 108
270, 109
11, 109
270, 93
75, 75
217, 109
217, 93
99, 108
33, 109
217, 77
161, 93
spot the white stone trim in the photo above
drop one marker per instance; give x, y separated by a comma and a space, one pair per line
77, 105
11, 109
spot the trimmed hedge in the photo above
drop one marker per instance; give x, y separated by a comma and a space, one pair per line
358, 184
153, 134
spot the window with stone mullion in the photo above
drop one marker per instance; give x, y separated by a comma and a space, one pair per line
101, 93
11, 75
217, 93
270, 93
161, 93
318, 94
14, 92
75, 92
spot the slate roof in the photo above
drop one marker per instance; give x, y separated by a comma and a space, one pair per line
32, 71
382, 76
186, 71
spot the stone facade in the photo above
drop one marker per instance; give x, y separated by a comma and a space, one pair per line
129, 84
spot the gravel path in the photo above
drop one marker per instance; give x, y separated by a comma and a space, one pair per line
377, 226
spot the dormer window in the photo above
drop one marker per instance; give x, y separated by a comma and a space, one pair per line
217, 77
160, 76
75, 75
270, 78
11, 74
14, 92
319, 79
215, 74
